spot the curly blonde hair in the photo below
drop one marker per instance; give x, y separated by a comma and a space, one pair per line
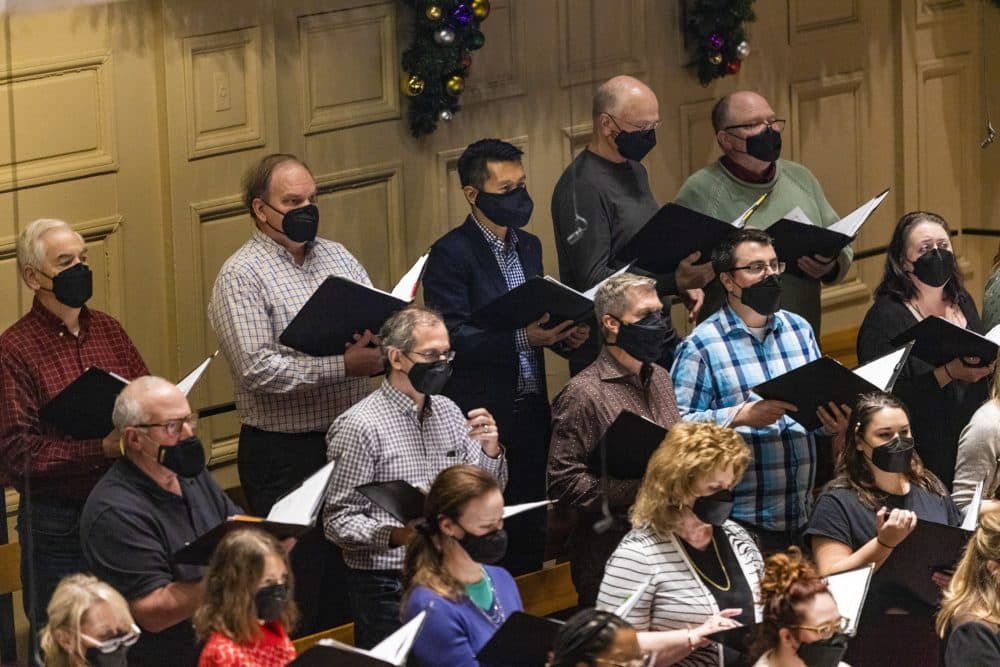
975, 590
690, 451
72, 600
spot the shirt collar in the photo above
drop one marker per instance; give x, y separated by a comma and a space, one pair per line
744, 174
135, 475
608, 368
278, 250
401, 401
495, 241
730, 322
51, 321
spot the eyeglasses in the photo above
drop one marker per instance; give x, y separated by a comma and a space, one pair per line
648, 127
113, 644
758, 268
930, 245
434, 355
827, 630
173, 427
646, 660
778, 124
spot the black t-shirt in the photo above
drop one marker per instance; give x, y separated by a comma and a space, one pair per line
971, 643
129, 530
840, 515
739, 594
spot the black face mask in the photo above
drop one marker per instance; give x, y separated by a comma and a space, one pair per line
488, 548
186, 458
894, 456
73, 286
714, 509
299, 224
935, 268
765, 146
270, 602
635, 145
510, 209
643, 340
763, 297
824, 653
429, 377
117, 658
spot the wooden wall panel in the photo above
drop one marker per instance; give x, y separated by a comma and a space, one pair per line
698, 145
595, 44
503, 73
809, 17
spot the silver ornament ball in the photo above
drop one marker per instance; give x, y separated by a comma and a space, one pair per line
444, 36
445, 115
743, 49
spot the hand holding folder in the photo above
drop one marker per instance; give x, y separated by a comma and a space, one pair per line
674, 233
931, 547
937, 341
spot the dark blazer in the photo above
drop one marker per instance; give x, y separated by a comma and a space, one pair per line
461, 276
937, 415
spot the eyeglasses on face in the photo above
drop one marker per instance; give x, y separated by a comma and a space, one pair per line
755, 269
645, 127
434, 355
827, 630
174, 427
778, 124
113, 644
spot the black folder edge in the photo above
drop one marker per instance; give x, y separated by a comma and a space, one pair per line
907, 336
372, 491
507, 645
52, 412
903, 558
199, 551
485, 316
594, 459
630, 249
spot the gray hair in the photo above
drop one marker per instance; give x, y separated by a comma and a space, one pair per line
130, 406
30, 247
614, 295
398, 329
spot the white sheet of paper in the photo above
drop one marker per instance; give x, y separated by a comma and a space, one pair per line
625, 607
592, 292
880, 371
798, 215
971, 519
849, 590
188, 382
851, 223
406, 288
512, 510
302, 505
396, 646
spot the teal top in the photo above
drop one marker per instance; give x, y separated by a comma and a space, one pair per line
716, 192
481, 592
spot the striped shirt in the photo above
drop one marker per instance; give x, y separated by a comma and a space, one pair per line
676, 598
715, 369
505, 252
257, 293
382, 439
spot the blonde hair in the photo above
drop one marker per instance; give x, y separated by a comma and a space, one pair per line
234, 574
975, 590
690, 451
615, 294
30, 250
72, 600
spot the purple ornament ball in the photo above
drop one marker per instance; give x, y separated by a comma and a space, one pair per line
715, 41
462, 14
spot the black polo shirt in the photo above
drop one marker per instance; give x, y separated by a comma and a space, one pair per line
129, 529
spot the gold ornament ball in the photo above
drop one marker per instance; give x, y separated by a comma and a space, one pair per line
413, 85
455, 85
715, 58
433, 13
480, 9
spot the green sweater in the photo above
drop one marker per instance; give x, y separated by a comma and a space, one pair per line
715, 192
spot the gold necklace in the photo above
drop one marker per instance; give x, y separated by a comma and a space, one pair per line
722, 565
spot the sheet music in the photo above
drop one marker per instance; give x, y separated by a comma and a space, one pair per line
882, 372
971, 519
798, 215
851, 223
512, 510
396, 646
301, 505
592, 292
187, 383
406, 288
849, 590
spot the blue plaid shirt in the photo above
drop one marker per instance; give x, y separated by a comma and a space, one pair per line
509, 262
713, 373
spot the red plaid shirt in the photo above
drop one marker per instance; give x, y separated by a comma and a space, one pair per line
39, 357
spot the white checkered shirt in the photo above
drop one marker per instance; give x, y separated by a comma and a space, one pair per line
257, 293
381, 439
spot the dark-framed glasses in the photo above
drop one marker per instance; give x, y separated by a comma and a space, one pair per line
434, 355
174, 427
778, 124
759, 268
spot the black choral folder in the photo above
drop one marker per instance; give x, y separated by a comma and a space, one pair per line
937, 341
931, 547
83, 409
825, 379
401, 499
390, 652
337, 310
629, 442
523, 640
673, 233
529, 301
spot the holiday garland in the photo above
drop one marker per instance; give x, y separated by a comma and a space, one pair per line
716, 29
435, 65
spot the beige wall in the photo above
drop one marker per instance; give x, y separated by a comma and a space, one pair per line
134, 121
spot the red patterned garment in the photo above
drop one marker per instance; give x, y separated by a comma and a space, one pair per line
272, 649
39, 357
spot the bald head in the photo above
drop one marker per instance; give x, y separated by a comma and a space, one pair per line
622, 94
146, 400
739, 107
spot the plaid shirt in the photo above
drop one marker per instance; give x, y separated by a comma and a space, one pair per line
257, 293
381, 439
505, 253
714, 371
39, 357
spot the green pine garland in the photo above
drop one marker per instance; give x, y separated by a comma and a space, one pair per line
434, 70
716, 28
